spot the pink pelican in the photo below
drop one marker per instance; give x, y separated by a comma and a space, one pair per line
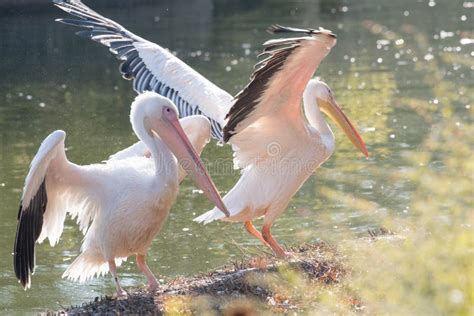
121, 204
275, 145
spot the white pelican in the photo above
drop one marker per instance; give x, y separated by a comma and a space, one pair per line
275, 145
120, 205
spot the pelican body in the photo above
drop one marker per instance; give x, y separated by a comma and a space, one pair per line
275, 144
120, 205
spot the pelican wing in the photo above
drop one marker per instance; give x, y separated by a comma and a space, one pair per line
152, 67
138, 149
46, 198
33, 205
267, 110
278, 81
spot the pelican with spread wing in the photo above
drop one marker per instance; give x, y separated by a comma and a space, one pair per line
121, 204
276, 145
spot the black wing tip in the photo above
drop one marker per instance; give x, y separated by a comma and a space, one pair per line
125, 70
63, 2
67, 21
29, 228
277, 28
23, 260
84, 33
24, 280
227, 134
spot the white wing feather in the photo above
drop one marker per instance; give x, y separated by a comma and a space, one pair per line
68, 188
52, 148
138, 149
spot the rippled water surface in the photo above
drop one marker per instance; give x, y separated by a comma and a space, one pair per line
398, 68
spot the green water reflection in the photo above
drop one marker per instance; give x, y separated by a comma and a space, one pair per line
399, 68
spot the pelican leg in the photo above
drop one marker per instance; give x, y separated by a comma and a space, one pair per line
153, 284
252, 230
113, 270
267, 236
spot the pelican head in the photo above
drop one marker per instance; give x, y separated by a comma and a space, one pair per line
328, 105
157, 117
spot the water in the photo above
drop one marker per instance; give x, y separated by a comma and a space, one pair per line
398, 68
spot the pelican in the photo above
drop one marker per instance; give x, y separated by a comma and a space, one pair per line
120, 205
275, 144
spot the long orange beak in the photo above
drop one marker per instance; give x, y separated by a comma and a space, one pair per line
334, 111
177, 141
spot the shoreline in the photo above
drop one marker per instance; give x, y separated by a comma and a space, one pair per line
241, 287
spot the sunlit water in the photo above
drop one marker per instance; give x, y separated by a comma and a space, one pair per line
396, 65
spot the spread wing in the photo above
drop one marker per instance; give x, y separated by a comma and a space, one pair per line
151, 67
271, 101
53, 186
